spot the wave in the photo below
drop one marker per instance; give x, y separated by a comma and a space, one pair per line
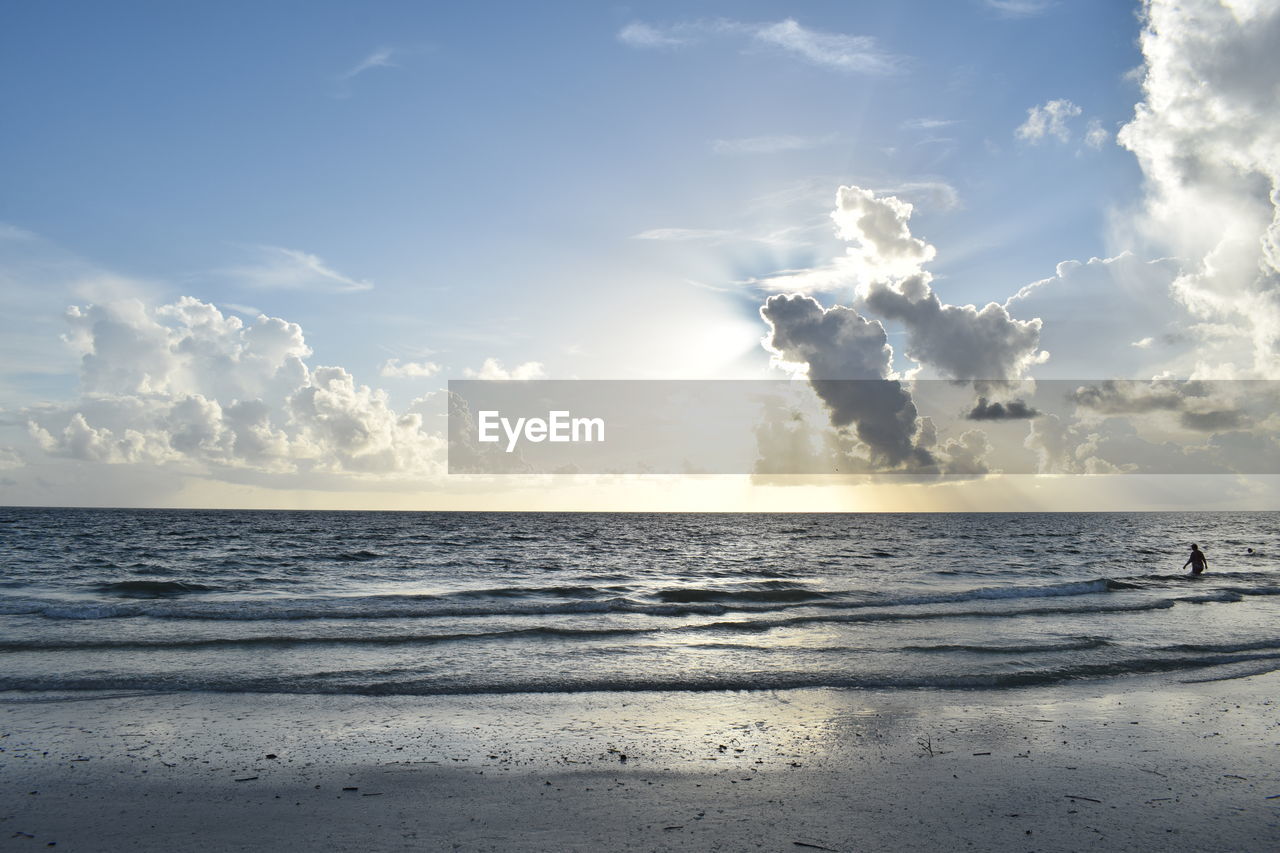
792, 593
55, 645
1070, 645
1089, 587
741, 626
151, 589
357, 556
1223, 596
839, 618
783, 594
355, 607
382, 683
536, 591
1162, 578
180, 600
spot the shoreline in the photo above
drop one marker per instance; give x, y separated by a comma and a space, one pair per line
1139, 763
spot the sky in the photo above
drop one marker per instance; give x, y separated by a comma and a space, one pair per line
244, 246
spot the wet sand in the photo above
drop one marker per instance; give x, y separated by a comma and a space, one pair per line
1139, 764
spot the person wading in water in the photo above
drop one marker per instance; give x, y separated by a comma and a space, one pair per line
1197, 561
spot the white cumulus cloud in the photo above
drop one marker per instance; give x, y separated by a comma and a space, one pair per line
1207, 136
183, 384
1048, 119
1092, 311
878, 227
493, 369
393, 368
1095, 135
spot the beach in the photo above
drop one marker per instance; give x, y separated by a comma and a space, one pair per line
380, 681
640, 427
1134, 764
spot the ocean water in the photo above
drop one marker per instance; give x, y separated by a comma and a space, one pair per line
466, 603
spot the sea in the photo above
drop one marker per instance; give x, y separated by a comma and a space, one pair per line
403, 603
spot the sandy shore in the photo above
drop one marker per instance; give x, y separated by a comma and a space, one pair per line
1134, 765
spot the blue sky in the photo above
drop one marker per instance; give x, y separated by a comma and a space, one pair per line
499, 163
600, 189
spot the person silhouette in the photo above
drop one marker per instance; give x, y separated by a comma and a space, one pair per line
1197, 560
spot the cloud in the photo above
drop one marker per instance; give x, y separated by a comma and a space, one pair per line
876, 224
1093, 311
1216, 420
884, 267
771, 144
1051, 441
239, 308
393, 368
1020, 8
1118, 397
965, 456
278, 268
493, 369
1014, 410
959, 341
1066, 448
1073, 448
15, 234
380, 58
830, 50
1114, 446
1095, 135
931, 194
882, 245
928, 123
836, 51
790, 236
1206, 137
1052, 119
879, 228
832, 343
680, 235
80, 441
789, 441
640, 34
184, 385
1247, 451
468, 454
128, 347
1048, 119
1213, 406
10, 458
1200, 405
839, 350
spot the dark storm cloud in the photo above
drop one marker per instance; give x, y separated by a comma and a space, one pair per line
1013, 410
849, 361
